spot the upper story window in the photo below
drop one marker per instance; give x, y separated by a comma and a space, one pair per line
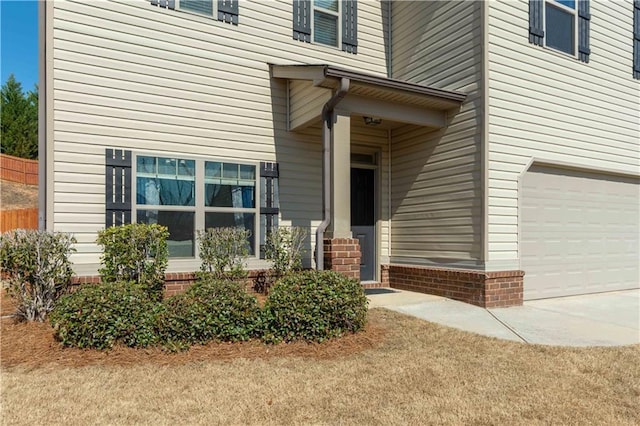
562, 25
332, 23
223, 10
326, 22
199, 6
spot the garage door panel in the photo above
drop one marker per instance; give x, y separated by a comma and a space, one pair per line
579, 232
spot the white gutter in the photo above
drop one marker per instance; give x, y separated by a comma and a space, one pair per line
327, 128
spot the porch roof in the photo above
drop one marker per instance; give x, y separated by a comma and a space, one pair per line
401, 102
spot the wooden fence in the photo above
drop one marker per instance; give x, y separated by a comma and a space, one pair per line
21, 218
17, 169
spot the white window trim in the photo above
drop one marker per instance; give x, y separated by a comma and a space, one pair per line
199, 208
338, 14
574, 12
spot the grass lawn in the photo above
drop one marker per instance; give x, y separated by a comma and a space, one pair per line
401, 371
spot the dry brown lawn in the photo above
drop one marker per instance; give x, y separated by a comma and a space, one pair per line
401, 370
17, 196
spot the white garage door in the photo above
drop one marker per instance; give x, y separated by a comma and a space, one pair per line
579, 233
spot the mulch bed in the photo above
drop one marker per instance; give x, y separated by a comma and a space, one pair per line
32, 345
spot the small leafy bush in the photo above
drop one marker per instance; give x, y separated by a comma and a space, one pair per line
223, 252
135, 252
38, 269
99, 316
284, 248
210, 310
314, 306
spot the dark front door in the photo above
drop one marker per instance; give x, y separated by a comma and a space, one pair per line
363, 218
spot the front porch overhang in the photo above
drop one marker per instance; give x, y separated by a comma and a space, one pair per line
396, 102
333, 96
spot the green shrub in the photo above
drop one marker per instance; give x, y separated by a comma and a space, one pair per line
99, 316
223, 252
313, 305
210, 310
37, 268
135, 252
284, 248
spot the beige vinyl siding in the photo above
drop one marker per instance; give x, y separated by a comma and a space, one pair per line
133, 76
305, 103
436, 215
547, 106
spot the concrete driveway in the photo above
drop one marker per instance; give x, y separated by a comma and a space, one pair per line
605, 319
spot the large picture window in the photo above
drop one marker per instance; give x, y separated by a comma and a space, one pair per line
185, 195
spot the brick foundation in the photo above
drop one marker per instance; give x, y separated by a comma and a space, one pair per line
342, 255
486, 289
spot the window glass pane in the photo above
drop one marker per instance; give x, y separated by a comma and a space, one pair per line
241, 196
165, 192
172, 185
146, 164
568, 3
232, 220
181, 225
187, 168
247, 172
229, 185
559, 29
327, 4
199, 6
325, 29
213, 169
167, 166
230, 171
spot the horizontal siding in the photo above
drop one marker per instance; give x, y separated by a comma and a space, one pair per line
306, 102
546, 105
436, 186
130, 75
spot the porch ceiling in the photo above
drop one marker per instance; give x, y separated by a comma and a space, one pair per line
395, 101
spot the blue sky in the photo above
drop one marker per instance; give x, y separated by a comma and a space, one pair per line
19, 41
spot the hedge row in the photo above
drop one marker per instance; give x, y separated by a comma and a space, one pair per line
312, 306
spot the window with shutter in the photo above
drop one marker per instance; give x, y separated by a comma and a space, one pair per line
562, 25
224, 10
328, 22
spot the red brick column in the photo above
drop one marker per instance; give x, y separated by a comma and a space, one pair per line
342, 255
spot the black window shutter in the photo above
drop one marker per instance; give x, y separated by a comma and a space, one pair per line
536, 31
350, 26
118, 187
167, 4
584, 17
269, 201
228, 11
302, 20
636, 39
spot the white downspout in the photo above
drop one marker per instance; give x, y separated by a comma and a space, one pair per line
327, 128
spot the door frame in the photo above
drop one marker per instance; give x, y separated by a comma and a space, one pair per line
376, 154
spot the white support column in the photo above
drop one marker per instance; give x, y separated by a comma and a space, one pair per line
340, 177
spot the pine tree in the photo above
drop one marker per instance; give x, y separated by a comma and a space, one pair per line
19, 120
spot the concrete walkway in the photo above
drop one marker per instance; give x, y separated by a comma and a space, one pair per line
605, 319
